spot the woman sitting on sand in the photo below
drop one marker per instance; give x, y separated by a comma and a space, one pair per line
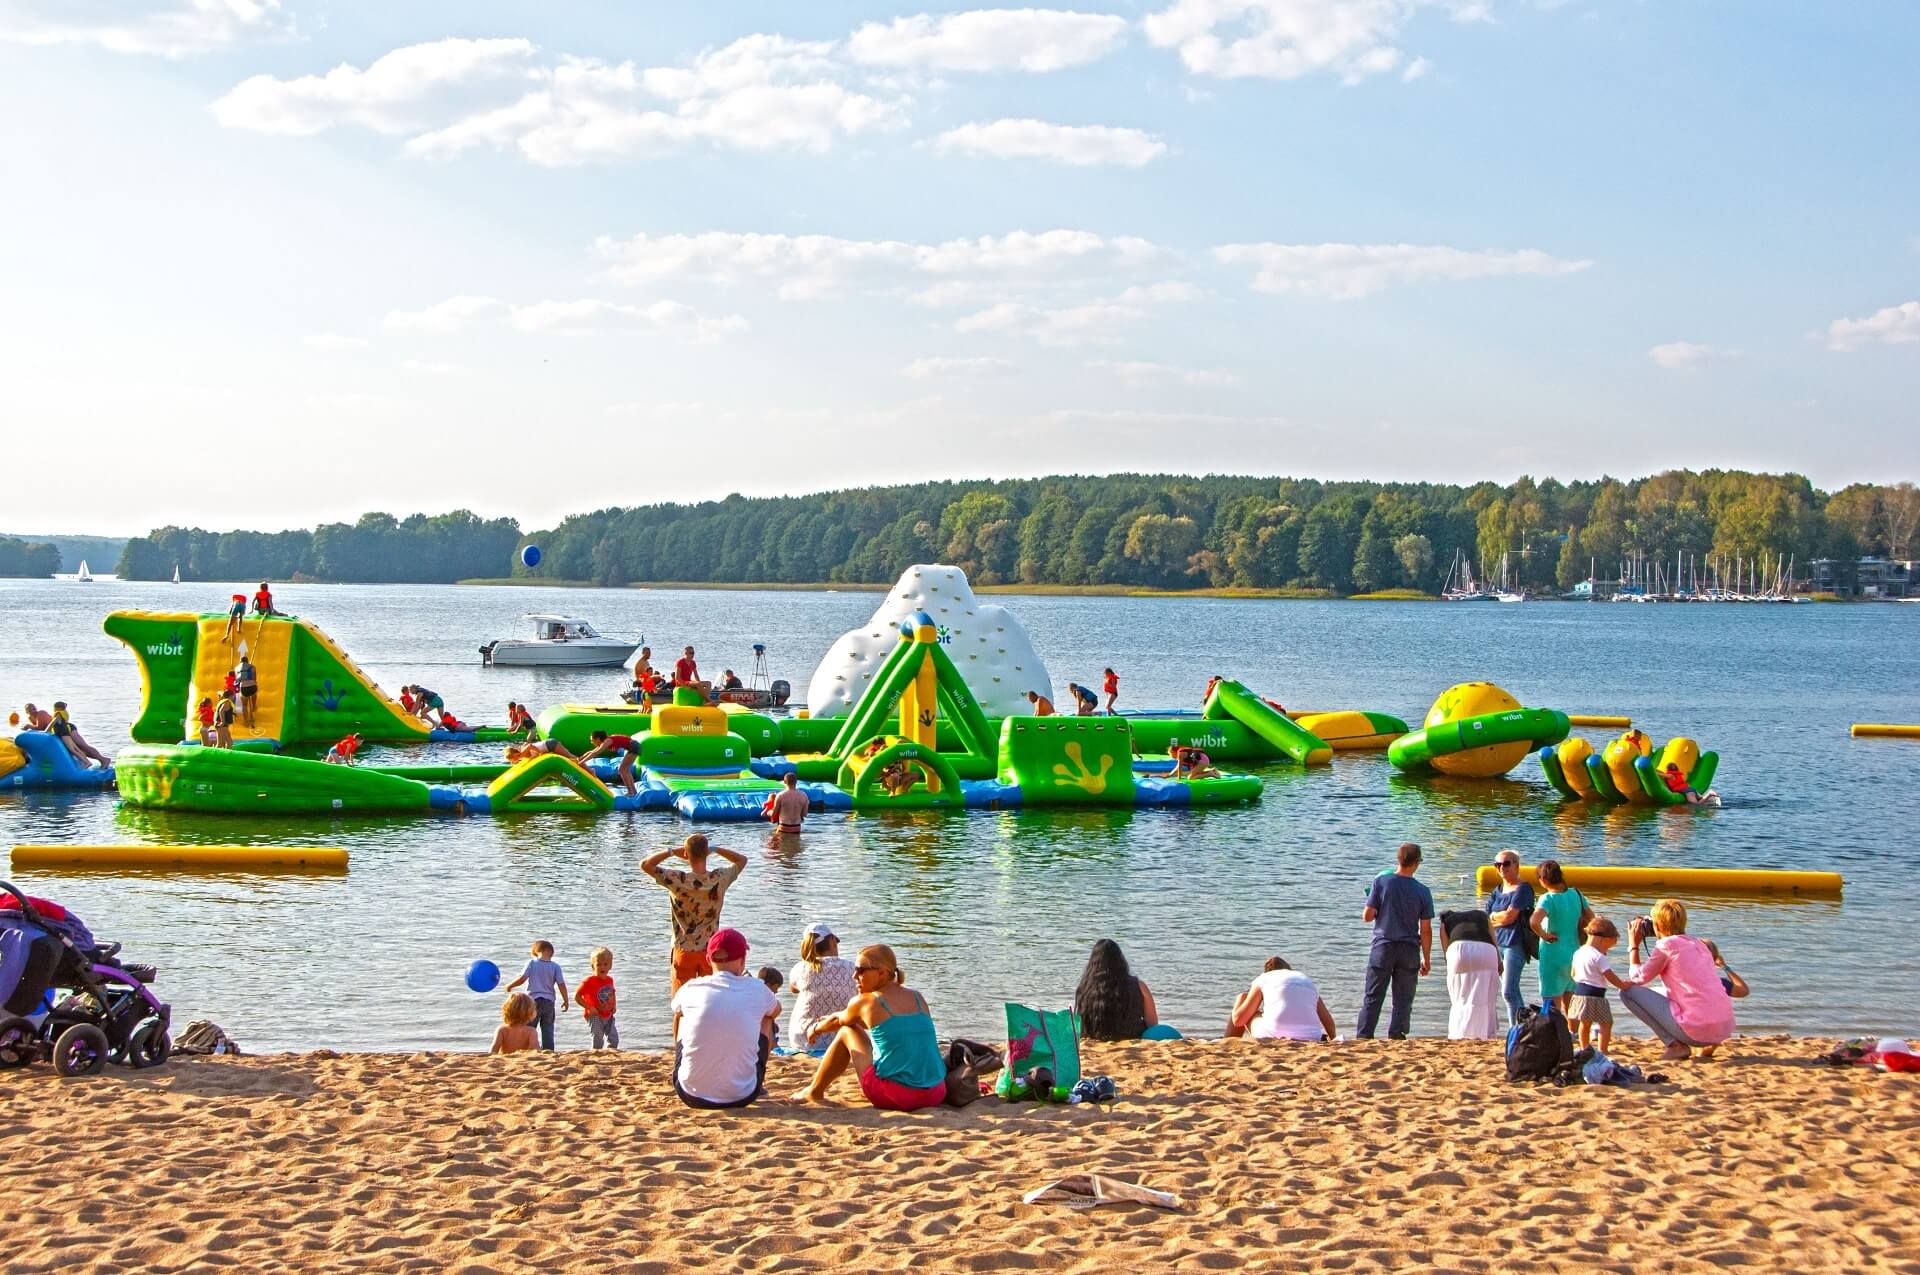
823, 984
1111, 1002
1696, 1012
1282, 1004
886, 1035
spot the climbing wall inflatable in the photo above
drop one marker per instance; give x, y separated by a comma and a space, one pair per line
986, 644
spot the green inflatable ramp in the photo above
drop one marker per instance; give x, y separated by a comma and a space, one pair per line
549, 782
1233, 701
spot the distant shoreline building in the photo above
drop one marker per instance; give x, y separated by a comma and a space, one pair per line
1870, 577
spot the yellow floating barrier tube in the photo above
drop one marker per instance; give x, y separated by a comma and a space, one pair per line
1678, 880
1884, 730
1599, 719
206, 858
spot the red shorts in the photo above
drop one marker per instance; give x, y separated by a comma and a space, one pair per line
891, 1095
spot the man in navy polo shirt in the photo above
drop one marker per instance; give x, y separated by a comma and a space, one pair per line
1401, 910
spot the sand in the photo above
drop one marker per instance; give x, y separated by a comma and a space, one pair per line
1353, 1157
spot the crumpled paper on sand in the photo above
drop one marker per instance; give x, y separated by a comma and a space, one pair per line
1084, 1190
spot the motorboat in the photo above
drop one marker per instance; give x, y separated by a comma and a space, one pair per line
559, 641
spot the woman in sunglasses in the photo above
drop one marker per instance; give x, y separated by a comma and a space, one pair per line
886, 1035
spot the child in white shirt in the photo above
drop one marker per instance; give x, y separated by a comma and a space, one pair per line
1592, 973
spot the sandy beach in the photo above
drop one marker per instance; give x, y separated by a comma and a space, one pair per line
1362, 1156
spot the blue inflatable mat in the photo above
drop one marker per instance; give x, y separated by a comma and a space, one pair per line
1161, 792
828, 797
440, 736
720, 805
771, 767
990, 794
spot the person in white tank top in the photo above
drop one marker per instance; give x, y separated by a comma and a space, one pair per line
1282, 1004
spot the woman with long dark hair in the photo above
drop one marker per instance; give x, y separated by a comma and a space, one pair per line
1111, 1002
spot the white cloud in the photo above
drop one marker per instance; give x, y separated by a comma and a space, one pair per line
807, 266
1894, 325
1082, 145
1089, 323
760, 92
1136, 372
1287, 39
1415, 69
335, 341
173, 30
1678, 355
1346, 272
400, 92
923, 369
446, 316
585, 315
1130, 419
989, 40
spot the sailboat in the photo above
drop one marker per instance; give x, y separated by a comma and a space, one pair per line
1459, 585
83, 576
1504, 593
176, 573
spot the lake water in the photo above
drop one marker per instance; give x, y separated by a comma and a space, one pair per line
989, 907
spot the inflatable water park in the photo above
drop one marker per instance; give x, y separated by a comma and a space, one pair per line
926, 707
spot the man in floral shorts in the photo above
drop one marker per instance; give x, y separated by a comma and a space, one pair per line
697, 892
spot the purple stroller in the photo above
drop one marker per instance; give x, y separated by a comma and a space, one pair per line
107, 1013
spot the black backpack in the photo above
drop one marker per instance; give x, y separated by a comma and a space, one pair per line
1538, 1044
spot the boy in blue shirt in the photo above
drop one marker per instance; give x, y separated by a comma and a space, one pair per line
1401, 910
543, 978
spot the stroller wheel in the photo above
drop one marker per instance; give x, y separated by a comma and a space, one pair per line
150, 1046
81, 1050
19, 1042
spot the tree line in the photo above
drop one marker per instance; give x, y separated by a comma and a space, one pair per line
27, 557
377, 549
1135, 530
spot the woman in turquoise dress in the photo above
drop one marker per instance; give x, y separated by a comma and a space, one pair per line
1560, 916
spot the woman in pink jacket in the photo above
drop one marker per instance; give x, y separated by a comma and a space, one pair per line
1696, 1012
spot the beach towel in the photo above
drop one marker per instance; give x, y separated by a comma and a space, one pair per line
1043, 1054
1084, 1190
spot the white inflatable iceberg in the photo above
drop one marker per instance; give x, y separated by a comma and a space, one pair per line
984, 642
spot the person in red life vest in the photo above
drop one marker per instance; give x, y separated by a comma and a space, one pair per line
407, 701
236, 616
449, 722
607, 745
204, 715
1676, 782
263, 600
231, 684
341, 754
1110, 687
519, 720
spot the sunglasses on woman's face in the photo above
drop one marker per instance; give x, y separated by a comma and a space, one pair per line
865, 969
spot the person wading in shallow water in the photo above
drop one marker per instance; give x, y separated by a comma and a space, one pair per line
697, 894
1401, 911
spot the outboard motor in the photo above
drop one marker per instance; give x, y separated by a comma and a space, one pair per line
486, 652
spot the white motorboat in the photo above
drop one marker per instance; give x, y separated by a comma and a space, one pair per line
559, 641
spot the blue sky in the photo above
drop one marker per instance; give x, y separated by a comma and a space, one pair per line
266, 264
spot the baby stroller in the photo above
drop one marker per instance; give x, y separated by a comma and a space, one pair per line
107, 1014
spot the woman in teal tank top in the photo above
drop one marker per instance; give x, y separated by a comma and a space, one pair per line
886, 1036
1559, 916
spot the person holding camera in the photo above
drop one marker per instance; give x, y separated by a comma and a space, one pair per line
1696, 1012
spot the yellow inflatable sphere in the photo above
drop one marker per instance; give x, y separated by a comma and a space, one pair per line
1476, 699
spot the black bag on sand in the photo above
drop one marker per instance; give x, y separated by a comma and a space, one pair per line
967, 1061
1539, 1044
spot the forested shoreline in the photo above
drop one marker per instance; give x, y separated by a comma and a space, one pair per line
1128, 530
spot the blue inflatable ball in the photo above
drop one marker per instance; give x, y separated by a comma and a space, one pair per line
530, 556
483, 976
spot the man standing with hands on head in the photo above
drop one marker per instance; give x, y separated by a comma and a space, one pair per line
697, 892
1401, 911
